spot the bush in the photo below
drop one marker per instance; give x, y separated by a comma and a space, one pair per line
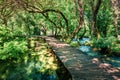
104, 43
11, 45
13, 49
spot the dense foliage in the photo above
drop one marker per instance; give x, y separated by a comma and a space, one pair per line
12, 45
65, 19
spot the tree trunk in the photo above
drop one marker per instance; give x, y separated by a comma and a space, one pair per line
95, 10
81, 19
5, 21
115, 4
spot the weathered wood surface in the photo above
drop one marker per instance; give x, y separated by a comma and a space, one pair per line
81, 66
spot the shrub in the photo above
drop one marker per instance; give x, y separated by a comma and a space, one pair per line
106, 43
13, 49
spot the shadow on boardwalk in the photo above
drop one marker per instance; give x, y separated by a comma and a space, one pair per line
81, 66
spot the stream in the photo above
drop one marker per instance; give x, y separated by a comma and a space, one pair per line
114, 61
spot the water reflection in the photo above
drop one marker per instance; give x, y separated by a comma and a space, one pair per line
85, 48
84, 40
30, 70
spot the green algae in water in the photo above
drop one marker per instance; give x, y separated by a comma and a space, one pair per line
31, 70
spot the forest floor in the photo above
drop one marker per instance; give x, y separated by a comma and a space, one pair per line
81, 66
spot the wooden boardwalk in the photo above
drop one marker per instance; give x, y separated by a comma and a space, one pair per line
81, 66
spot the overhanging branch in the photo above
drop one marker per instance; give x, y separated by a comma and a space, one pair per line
52, 10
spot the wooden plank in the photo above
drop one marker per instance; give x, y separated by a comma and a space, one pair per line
78, 64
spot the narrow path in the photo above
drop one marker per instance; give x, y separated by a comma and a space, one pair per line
81, 66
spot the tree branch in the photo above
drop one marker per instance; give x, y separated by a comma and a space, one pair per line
56, 11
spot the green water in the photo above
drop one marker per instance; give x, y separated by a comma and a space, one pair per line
29, 70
